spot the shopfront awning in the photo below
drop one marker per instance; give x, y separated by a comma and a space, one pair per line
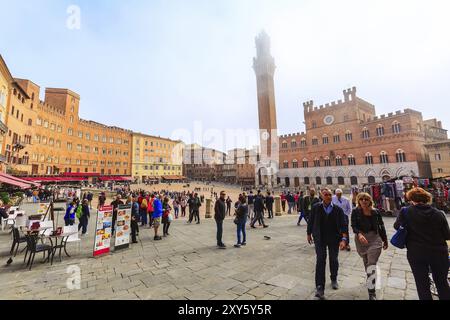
16, 182
116, 178
173, 178
54, 179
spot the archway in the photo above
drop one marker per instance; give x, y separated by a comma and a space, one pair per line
329, 181
287, 182
353, 181
371, 179
296, 182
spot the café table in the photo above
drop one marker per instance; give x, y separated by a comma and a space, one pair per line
60, 242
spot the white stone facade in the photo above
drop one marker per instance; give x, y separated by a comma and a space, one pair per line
361, 172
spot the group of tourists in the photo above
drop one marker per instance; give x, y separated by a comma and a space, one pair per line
330, 216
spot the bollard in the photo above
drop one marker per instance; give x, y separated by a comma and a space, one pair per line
278, 206
208, 209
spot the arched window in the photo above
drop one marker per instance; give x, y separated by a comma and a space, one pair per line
296, 182
325, 139
384, 158
338, 161
30, 122
329, 181
348, 136
336, 138
354, 181
380, 130
303, 143
294, 163
293, 144
351, 160
315, 141
284, 144
369, 158
327, 162
287, 182
371, 179
318, 180
365, 133
316, 162
341, 181
285, 164
306, 180
396, 127
400, 155
305, 163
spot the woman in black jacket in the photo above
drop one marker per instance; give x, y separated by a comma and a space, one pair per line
427, 232
370, 237
241, 220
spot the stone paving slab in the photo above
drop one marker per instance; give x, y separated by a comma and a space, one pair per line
187, 265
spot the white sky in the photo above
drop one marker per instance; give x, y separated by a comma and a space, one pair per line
161, 66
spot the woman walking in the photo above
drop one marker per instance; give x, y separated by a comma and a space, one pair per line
143, 212
427, 232
370, 237
241, 220
176, 207
183, 204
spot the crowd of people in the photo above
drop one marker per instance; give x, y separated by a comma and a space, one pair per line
329, 217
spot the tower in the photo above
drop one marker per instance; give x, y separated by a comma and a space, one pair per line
264, 67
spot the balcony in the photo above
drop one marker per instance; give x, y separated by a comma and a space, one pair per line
3, 128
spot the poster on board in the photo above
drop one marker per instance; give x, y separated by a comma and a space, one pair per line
123, 227
103, 231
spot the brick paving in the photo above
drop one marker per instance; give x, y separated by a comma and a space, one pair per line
187, 265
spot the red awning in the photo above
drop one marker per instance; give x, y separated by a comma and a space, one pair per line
115, 178
55, 179
7, 179
80, 174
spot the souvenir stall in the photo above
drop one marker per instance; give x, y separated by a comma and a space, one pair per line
439, 189
389, 196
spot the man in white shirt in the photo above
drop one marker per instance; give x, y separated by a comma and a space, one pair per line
342, 202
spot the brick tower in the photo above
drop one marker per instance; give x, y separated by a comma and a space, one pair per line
264, 66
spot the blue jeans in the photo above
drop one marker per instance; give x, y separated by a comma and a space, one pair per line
301, 216
144, 220
291, 206
241, 229
176, 212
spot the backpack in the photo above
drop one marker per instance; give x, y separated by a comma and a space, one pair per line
79, 212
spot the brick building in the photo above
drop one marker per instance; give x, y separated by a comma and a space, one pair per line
346, 144
203, 164
48, 137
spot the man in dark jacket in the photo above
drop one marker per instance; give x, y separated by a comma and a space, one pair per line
259, 209
308, 203
219, 216
327, 228
269, 204
301, 214
115, 204
135, 217
291, 202
196, 204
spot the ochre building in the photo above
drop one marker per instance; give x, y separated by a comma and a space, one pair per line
155, 158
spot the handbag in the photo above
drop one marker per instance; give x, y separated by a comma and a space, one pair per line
236, 220
399, 238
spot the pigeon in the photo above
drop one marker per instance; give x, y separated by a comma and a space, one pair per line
267, 238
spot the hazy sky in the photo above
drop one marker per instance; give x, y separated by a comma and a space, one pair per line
160, 66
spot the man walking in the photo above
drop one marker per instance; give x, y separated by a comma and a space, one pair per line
196, 207
301, 214
291, 202
308, 203
250, 202
345, 205
269, 204
219, 216
327, 229
259, 209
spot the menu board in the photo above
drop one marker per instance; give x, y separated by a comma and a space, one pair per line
123, 227
103, 231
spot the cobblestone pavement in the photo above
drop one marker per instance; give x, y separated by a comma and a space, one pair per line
187, 265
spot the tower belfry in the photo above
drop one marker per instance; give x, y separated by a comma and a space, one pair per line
264, 67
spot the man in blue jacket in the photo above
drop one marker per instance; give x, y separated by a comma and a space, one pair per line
327, 229
156, 216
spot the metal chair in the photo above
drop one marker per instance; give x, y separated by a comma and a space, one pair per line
17, 240
33, 248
